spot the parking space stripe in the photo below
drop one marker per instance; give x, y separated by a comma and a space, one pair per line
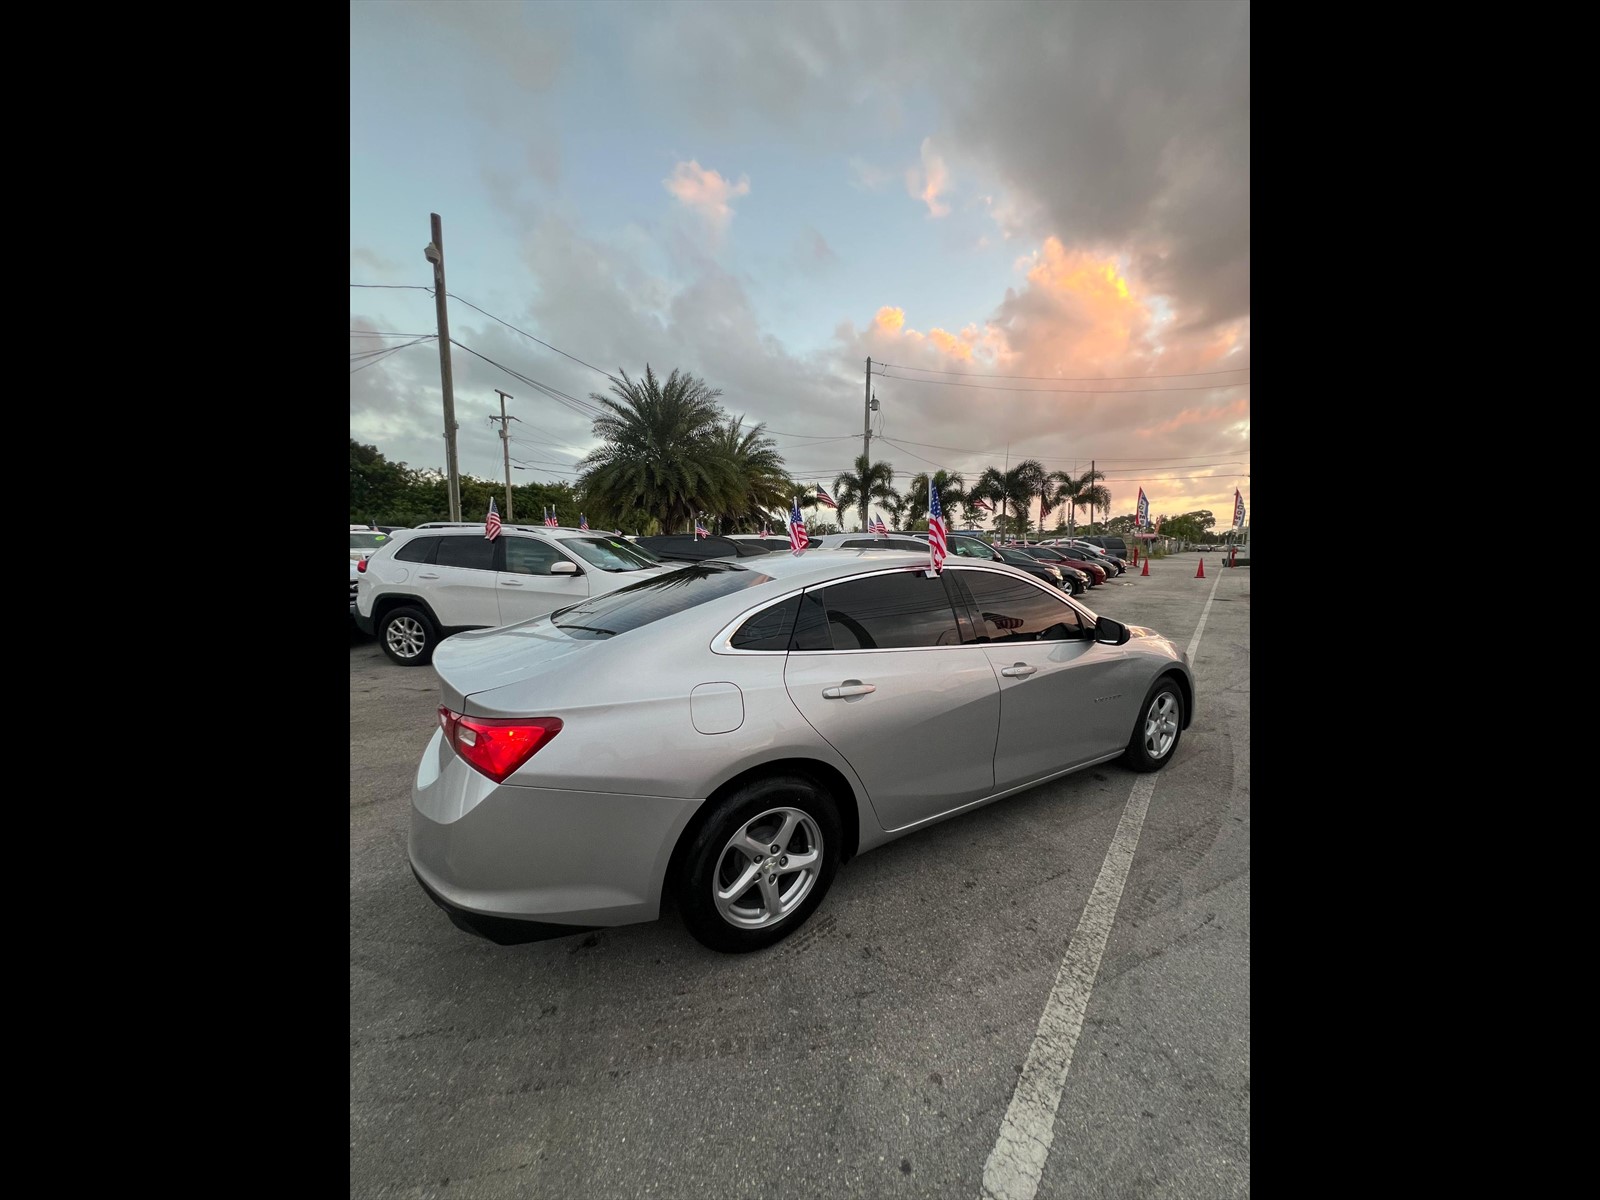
1016, 1164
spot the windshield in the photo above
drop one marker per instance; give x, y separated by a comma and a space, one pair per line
652, 599
367, 541
1017, 557
610, 553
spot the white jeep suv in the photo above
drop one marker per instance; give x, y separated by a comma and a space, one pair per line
424, 584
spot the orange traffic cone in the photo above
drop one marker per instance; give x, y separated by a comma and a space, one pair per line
1146, 570
1201, 573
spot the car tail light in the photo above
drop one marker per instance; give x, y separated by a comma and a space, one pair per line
361, 565
496, 746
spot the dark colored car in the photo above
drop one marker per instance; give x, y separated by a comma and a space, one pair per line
1110, 544
1093, 573
1112, 564
971, 547
686, 547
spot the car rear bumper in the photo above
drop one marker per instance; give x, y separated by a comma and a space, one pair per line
363, 623
492, 853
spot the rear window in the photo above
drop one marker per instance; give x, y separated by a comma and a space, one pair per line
652, 599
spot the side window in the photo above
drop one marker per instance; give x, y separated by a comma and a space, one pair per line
811, 625
968, 549
418, 550
890, 612
768, 629
529, 556
1009, 610
476, 553
859, 544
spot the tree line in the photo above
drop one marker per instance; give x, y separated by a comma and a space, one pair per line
670, 454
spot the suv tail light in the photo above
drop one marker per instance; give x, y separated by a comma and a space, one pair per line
361, 565
496, 746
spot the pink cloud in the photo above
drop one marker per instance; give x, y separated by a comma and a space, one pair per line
706, 191
927, 182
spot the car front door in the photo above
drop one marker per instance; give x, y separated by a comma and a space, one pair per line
881, 669
525, 586
1064, 698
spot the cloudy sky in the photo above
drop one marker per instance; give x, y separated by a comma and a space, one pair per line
1037, 213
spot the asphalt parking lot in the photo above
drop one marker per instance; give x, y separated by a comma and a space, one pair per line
878, 1051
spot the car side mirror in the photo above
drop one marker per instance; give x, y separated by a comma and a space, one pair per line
1111, 633
563, 568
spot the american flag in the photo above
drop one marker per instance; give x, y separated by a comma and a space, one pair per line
700, 530
550, 517
936, 531
797, 529
491, 523
824, 498
765, 532
983, 504
583, 522
1000, 621
878, 527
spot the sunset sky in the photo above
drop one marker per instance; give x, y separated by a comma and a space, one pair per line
1039, 213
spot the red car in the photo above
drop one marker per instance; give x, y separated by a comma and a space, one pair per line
1097, 575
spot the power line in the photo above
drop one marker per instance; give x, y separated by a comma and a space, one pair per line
531, 338
1199, 387
372, 333
405, 287
1068, 378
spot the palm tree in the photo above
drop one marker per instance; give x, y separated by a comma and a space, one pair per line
656, 450
1016, 487
1081, 491
952, 491
868, 482
757, 482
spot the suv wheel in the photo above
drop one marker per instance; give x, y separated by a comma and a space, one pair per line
407, 636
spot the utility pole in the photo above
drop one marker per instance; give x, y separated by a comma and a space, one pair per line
866, 445
1091, 484
505, 445
434, 253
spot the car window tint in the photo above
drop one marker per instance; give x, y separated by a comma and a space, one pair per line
474, 552
1010, 610
967, 548
859, 544
811, 625
769, 629
418, 550
651, 599
890, 612
528, 556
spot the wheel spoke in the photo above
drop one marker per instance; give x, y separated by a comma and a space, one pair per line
800, 862
739, 886
786, 831
770, 896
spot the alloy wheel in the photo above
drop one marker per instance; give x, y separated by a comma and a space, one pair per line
768, 868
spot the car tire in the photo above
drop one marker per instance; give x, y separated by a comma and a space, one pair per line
1157, 729
407, 636
787, 811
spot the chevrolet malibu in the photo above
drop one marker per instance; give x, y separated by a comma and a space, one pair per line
726, 735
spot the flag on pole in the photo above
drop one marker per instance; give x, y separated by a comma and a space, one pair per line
1141, 514
550, 517
583, 522
878, 527
797, 529
699, 529
491, 523
1238, 509
824, 498
983, 504
937, 546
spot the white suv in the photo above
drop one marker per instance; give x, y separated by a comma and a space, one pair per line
424, 584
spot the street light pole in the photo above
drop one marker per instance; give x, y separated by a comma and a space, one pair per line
434, 253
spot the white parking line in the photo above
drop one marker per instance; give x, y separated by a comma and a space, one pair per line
1016, 1163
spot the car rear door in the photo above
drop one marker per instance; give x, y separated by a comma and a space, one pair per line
1064, 698
526, 588
460, 583
882, 670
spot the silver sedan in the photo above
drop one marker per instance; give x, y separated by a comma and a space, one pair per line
730, 733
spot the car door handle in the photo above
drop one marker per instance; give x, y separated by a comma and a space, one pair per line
427, 577
511, 583
850, 687
1020, 671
